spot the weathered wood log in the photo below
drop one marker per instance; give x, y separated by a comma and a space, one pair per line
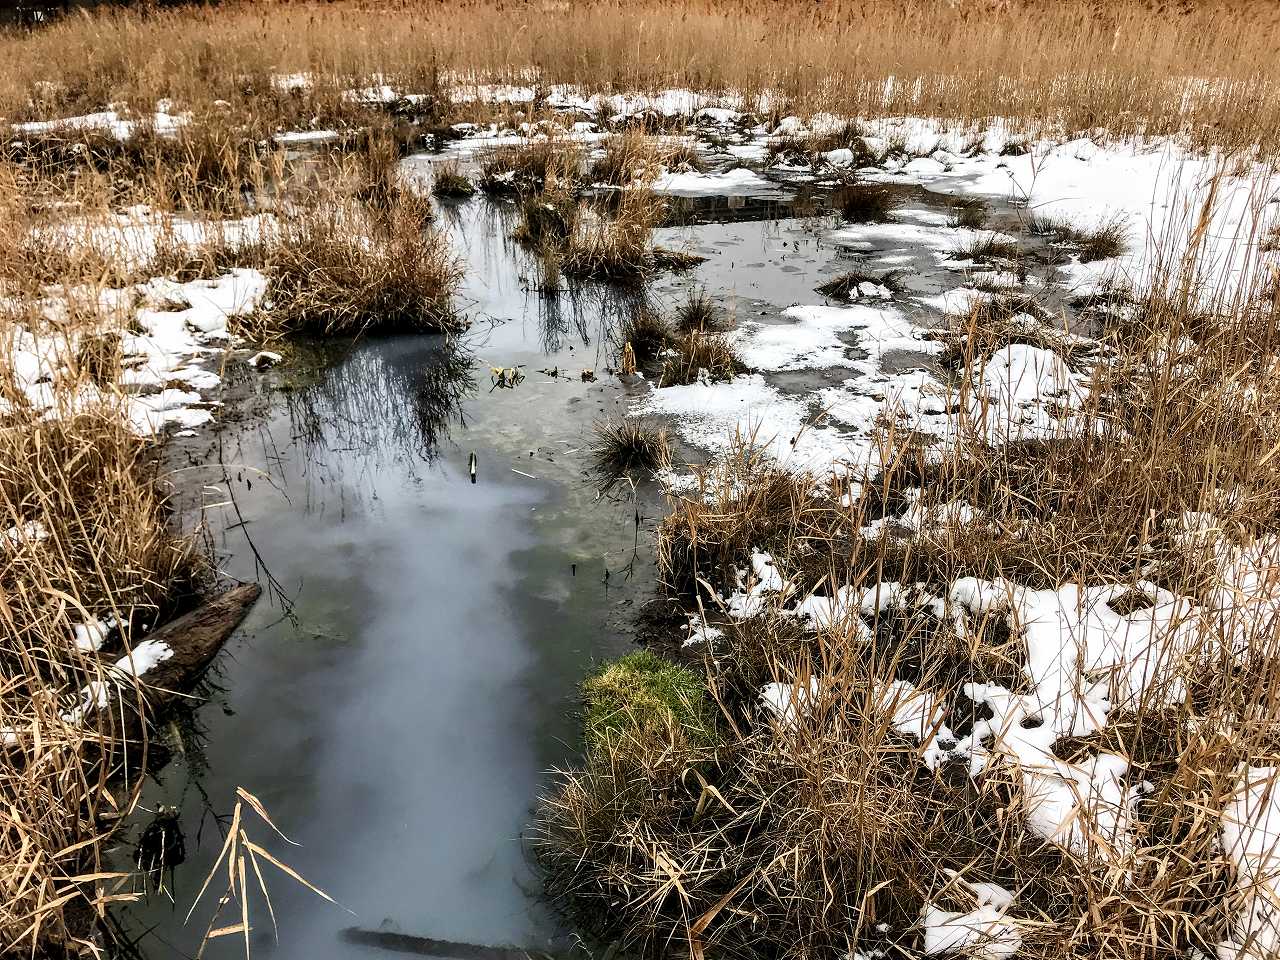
195, 639
426, 946
169, 662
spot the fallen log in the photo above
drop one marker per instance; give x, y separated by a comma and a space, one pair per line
193, 640
426, 946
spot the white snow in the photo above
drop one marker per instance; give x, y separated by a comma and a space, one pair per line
712, 415
981, 932
114, 122
290, 137
30, 531
133, 237
732, 182
89, 637
788, 701
1251, 840
144, 658
758, 588
918, 714
166, 329
699, 631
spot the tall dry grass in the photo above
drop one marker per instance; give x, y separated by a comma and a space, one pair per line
1130, 65
93, 544
820, 830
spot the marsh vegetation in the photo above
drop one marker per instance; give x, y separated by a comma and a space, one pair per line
969, 630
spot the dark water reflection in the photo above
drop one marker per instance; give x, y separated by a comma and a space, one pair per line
397, 702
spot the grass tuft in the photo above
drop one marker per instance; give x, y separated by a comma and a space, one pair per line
629, 158
988, 247
546, 218
867, 202
326, 277
451, 183
697, 313
969, 212
646, 333
643, 696
697, 355
528, 168
1108, 239
845, 286
611, 241
627, 450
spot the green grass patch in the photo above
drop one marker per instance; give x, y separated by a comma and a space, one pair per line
645, 697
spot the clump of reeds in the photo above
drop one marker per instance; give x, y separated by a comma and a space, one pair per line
646, 332
93, 532
1105, 240
993, 323
628, 450
327, 275
700, 355
379, 183
211, 257
451, 183
867, 202
548, 217
846, 285
743, 503
951, 70
612, 241
989, 247
808, 149
528, 168
629, 158
208, 166
682, 157
969, 212
697, 313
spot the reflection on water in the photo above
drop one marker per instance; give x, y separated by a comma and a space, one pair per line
399, 721
385, 405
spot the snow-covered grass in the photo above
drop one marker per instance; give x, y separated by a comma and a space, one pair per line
993, 646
